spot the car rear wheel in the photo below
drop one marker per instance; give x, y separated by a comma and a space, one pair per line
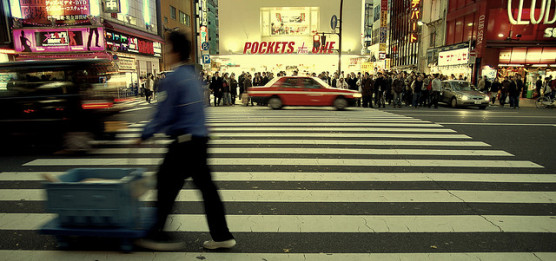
340, 104
275, 103
454, 102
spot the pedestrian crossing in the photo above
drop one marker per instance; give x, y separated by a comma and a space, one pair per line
321, 185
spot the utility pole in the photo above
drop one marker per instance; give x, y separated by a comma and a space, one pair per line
340, 38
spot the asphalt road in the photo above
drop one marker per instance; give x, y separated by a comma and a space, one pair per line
318, 184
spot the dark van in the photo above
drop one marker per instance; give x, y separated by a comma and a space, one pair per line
65, 99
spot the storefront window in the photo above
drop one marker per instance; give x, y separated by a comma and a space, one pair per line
278, 21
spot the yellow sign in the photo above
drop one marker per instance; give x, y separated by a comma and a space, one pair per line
384, 19
367, 67
382, 47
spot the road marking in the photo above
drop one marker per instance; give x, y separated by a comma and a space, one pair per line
336, 177
315, 124
322, 129
328, 135
497, 124
17, 255
346, 142
333, 223
313, 151
135, 109
294, 162
330, 196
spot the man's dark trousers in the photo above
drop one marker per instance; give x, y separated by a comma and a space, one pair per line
184, 160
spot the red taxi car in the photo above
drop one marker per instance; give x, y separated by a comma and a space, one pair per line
302, 91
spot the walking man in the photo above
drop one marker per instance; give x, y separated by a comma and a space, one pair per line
180, 113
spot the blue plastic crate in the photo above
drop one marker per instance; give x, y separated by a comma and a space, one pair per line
95, 204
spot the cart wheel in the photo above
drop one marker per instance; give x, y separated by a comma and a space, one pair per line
126, 246
62, 242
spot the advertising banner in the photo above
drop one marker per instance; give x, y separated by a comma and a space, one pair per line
453, 57
42, 10
118, 42
59, 40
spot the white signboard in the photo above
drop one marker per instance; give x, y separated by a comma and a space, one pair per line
453, 57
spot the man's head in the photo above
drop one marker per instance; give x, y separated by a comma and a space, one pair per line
179, 47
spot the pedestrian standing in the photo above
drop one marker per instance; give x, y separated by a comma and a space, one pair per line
216, 87
149, 87
417, 87
436, 88
538, 86
233, 88
226, 93
495, 89
180, 113
514, 93
245, 98
398, 87
504, 91
366, 91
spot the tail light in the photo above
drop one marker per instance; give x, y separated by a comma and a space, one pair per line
96, 105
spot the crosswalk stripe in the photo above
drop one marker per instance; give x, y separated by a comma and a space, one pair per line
329, 135
332, 223
323, 129
313, 151
345, 142
336, 177
313, 124
292, 161
46, 255
454, 196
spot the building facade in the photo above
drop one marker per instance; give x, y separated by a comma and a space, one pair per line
506, 37
177, 15
124, 31
213, 27
405, 33
288, 35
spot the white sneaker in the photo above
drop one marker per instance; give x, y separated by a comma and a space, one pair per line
222, 244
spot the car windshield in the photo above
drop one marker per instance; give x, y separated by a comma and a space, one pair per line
462, 86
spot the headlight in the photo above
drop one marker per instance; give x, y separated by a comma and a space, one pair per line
487, 98
465, 97
357, 95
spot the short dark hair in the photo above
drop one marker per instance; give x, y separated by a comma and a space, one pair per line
180, 44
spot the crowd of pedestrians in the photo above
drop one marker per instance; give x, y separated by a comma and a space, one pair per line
379, 89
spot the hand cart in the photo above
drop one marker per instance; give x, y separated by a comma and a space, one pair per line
99, 202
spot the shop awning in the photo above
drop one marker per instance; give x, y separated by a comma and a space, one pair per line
133, 32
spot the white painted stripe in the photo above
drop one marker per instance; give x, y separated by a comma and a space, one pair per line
313, 151
135, 109
328, 135
497, 124
294, 162
331, 196
322, 129
326, 124
216, 141
333, 223
18, 255
337, 177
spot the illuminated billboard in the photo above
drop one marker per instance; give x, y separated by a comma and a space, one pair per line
59, 40
42, 10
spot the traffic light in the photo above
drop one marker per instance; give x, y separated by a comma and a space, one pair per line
316, 42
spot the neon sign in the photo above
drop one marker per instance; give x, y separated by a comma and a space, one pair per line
544, 13
285, 48
59, 40
414, 20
